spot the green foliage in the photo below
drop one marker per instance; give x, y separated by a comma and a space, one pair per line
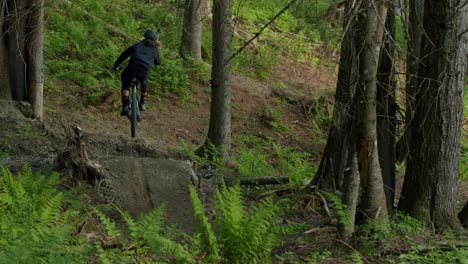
81, 47
242, 236
341, 209
424, 254
294, 164
405, 225
205, 237
151, 238
253, 164
33, 226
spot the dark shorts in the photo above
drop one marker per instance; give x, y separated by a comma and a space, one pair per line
135, 71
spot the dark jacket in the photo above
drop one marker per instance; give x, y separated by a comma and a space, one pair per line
142, 55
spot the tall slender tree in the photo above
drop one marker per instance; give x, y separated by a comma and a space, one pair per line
429, 190
335, 159
21, 52
354, 128
414, 35
192, 30
386, 109
371, 27
219, 131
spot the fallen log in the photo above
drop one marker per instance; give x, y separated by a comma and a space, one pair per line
303, 101
261, 180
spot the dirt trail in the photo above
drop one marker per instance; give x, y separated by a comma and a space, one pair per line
148, 170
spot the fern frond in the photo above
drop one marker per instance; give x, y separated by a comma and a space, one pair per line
48, 212
203, 227
111, 230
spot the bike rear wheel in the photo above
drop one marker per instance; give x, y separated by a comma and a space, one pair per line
134, 111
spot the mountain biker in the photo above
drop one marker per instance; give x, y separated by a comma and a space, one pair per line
142, 56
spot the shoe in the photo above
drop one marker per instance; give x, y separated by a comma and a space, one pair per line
124, 111
142, 107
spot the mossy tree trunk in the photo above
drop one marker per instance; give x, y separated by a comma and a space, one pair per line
21, 52
429, 190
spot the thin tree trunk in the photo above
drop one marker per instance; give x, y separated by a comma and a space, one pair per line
219, 131
386, 110
429, 190
192, 30
330, 175
36, 86
415, 33
5, 87
372, 28
17, 56
351, 199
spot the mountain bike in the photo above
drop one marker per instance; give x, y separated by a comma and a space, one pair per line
134, 113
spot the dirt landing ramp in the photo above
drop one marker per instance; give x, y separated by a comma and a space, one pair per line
140, 184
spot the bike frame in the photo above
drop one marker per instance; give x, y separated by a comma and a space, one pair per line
134, 113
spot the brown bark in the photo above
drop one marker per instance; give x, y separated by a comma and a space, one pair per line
219, 131
192, 30
15, 42
205, 9
371, 28
330, 175
415, 33
386, 111
429, 190
5, 87
350, 199
21, 52
35, 50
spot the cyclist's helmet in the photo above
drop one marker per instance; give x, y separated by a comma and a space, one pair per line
151, 35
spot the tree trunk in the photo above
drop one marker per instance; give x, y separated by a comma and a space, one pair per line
429, 190
386, 110
5, 87
219, 131
415, 33
371, 33
36, 85
330, 174
192, 30
15, 43
351, 199
21, 52
205, 9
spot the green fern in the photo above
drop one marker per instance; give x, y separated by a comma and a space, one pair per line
149, 235
341, 209
242, 236
32, 229
204, 231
